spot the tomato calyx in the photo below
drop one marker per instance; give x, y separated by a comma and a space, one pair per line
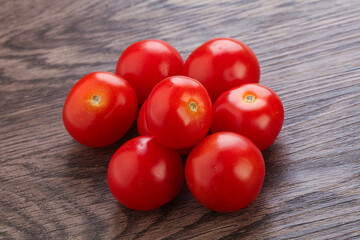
249, 98
193, 106
96, 99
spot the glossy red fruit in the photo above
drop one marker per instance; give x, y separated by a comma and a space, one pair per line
100, 109
225, 172
144, 175
221, 64
142, 127
146, 63
252, 110
179, 112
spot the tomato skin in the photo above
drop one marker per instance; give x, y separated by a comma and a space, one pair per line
225, 172
147, 62
221, 64
260, 121
144, 175
98, 124
179, 112
142, 127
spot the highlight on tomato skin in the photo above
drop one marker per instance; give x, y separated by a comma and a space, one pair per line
225, 172
147, 62
100, 108
251, 110
144, 175
222, 63
142, 127
179, 112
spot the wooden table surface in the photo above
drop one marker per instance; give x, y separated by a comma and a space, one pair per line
51, 187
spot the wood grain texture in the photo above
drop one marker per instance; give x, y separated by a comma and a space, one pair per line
54, 188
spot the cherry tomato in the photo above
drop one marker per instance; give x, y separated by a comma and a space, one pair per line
221, 64
225, 172
146, 63
251, 110
100, 109
179, 112
142, 127
144, 175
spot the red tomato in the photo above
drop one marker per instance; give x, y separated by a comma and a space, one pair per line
100, 109
225, 172
144, 175
142, 127
221, 64
251, 110
146, 63
179, 112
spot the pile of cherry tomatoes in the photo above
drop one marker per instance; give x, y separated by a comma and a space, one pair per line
216, 90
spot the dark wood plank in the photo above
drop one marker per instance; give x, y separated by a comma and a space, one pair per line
52, 187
